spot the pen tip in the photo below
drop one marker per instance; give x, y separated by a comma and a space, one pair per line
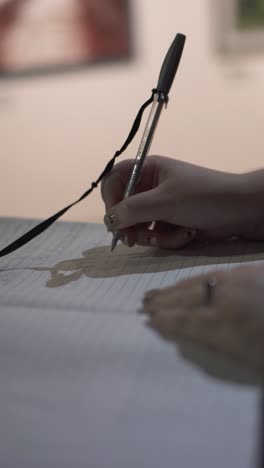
114, 242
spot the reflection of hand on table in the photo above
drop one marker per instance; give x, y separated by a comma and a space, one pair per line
230, 319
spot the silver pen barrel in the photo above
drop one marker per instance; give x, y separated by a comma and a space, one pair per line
166, 77
145, 144
143, 150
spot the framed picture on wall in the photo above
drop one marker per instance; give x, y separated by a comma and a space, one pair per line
240, 25
40, 36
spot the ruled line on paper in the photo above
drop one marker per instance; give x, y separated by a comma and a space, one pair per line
72, 267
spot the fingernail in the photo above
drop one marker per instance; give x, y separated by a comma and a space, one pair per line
124, 238
111, 221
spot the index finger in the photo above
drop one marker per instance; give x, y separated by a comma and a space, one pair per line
114, 184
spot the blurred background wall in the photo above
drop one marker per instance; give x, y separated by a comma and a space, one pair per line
58, 132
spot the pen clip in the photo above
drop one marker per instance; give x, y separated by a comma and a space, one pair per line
171, 64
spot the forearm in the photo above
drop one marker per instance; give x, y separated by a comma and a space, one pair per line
223, 200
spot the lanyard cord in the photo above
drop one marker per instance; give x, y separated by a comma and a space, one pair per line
41, 227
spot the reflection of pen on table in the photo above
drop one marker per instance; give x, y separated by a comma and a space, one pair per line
166, 77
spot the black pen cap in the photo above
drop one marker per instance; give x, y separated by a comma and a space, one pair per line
170, 64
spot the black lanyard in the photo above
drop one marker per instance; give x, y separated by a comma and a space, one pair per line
41, 227
166, 77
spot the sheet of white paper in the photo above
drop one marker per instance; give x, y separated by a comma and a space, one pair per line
71, 266
85, 384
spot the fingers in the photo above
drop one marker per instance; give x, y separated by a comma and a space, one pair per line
175, 238
189, 293
163, 235
140, 208
231, 322
113, 185
183, 311
175, 324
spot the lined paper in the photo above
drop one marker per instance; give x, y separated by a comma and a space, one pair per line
84, 383
71, 266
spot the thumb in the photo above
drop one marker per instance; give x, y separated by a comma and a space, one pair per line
140, 208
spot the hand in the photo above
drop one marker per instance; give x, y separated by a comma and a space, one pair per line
227, 317
185, 202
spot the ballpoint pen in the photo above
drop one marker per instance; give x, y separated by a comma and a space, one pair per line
166, 78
